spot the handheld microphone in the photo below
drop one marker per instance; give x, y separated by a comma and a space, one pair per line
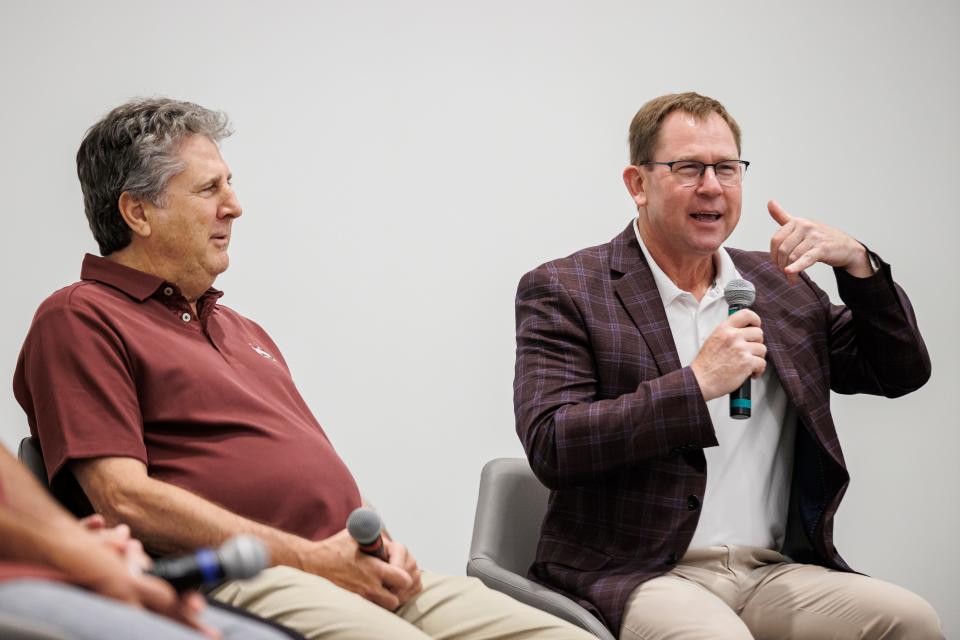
365, 527
740, 294
238, 558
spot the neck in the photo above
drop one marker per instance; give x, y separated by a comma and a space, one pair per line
191, 285
694, 274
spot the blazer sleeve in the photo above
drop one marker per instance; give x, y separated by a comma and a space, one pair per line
875, 344
570, 434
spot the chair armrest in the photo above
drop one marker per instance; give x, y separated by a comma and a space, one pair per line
535, 595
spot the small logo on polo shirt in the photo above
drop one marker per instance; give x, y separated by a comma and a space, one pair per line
260, 351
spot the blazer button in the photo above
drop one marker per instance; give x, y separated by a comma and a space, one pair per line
693, 503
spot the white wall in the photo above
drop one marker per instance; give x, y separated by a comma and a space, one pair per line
403, 163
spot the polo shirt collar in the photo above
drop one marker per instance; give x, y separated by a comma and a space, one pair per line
668, 290
136, 284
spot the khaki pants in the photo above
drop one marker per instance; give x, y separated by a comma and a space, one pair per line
447, 608
744, 592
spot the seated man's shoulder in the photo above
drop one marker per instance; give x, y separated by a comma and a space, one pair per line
79, 297
580, 270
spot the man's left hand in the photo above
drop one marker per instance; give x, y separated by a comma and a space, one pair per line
399, 556
800, 243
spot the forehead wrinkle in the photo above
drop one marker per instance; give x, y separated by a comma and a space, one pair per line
698, 142
208, 170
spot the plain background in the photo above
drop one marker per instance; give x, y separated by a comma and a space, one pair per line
402, 164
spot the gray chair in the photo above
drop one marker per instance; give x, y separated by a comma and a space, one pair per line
32, 459
70, 494
506, 530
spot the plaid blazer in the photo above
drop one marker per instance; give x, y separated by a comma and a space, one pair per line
616, 428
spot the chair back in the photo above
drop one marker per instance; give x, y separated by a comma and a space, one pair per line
506, 531
66, 488
510, 511
32, 459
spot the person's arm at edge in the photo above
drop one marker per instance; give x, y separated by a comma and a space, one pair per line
25, 495
34, 529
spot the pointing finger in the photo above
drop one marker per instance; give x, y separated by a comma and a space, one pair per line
780, 216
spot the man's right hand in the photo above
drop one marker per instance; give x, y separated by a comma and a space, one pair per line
734, 351
339, 559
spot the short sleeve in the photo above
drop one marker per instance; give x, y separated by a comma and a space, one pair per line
74, 381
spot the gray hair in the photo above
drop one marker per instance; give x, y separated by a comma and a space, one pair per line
134, 149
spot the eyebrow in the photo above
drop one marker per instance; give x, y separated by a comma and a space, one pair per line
212, 180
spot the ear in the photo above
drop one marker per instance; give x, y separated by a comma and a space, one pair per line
633, 179
132, 210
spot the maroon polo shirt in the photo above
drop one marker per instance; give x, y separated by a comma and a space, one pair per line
117, 365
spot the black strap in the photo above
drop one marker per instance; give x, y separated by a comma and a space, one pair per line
290, 633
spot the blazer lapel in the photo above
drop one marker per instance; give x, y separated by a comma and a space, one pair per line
634, 285
777, 352
637, 291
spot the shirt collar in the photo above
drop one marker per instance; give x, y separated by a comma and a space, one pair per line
136, 284
669, 291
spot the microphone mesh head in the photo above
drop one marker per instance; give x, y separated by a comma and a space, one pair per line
364, 525
243, 557
739, 293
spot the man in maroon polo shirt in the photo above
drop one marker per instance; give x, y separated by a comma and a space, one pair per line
179, 417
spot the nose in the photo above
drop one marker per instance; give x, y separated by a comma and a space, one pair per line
230, 207
709, 185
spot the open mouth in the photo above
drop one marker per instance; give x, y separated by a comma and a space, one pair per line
705, 216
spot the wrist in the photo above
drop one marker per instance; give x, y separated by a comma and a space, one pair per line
706, 390
300, 553
860, 265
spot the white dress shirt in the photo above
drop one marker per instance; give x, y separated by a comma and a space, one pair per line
749, 473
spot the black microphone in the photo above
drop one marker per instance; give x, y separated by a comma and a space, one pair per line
365, 527
740, 294
238, 558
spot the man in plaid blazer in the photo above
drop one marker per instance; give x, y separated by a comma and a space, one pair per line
667, 518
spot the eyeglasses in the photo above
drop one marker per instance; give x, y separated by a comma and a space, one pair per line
689, 172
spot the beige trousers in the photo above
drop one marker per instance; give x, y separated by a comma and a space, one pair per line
730, 592
448, 607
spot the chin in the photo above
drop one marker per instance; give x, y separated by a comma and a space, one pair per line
703, 248
708, 243
218, 264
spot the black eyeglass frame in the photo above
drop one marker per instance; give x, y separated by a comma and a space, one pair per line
744, 163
